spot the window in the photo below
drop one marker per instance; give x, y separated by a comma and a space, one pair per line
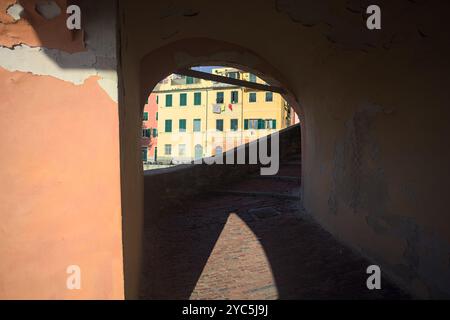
157, 116
261, 124
252, 77
250, 124
234, 75
252, 97
182, 125
157, 99
181, 149
197, 125
198, 151
269, 96
197, 98
145, 133
219, 97
145, 116
168, 100
168, 126
144, 154
155, 132
234, 97
271, 124
168, 149
183, 99
189, 80
219, 125
234, 124
218, 150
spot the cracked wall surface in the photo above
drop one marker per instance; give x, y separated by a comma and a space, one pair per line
59, 152
340, 22
97, 57
374, 114
35, 30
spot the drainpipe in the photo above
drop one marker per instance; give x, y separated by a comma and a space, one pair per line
242, 116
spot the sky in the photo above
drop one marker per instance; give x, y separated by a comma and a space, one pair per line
205, 69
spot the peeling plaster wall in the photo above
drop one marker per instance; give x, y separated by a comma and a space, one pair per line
34, 29
375, 156
96, 58
59, 154
74, 68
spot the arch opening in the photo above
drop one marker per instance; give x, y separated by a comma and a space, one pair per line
166, 188
184, 112
233, 59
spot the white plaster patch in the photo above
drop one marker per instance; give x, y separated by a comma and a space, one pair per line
108, 81
71, 67
48, 62
48, 9
15, 11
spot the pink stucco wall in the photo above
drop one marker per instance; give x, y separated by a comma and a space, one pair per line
152, 108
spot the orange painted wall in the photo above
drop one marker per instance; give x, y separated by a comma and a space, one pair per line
59, 189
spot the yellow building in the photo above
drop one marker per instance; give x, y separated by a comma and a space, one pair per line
200, 118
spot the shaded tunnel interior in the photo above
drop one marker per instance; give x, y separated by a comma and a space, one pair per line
248, 241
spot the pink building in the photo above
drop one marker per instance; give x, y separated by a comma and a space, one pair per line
150, 130
294, 117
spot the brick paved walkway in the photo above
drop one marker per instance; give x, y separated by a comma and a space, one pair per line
241, 247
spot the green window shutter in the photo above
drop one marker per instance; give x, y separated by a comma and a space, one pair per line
197, 98
246, 124
157, 99
219, 97
144, 154
168, 100
189, 80
234, 124
147, 133
182, 125
157, 116
269, 96
219, 125
183, 99
155, 133
234, 97
274, 124
252, 97
260, 124
168, 126
145, 116
197, 125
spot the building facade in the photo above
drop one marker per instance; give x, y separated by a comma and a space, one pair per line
200, 118
150, 130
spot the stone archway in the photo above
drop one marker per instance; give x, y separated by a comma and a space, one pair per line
155, 66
